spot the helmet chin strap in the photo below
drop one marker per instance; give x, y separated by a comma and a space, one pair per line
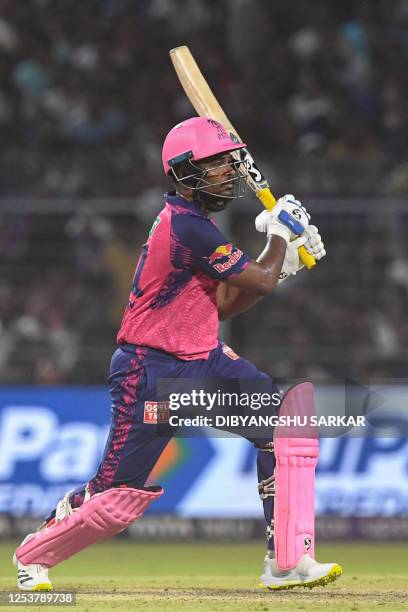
211, 202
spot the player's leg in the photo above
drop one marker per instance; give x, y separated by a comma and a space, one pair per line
265, 464
296, 453
115, 496
286, 472
224, 363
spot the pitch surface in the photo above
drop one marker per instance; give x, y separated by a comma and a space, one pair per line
123, 575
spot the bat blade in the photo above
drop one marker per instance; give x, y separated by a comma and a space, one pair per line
197, 89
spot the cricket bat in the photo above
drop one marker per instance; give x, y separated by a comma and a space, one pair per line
206, 105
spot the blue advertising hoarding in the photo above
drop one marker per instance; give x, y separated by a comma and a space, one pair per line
51, 439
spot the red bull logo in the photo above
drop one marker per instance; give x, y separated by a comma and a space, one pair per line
231, 261
220, 252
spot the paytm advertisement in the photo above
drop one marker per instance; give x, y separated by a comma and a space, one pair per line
52, 439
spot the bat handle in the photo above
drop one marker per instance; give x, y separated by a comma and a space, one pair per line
306, 258
268, 200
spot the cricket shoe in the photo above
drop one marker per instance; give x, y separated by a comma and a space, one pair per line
307, 573
33, 577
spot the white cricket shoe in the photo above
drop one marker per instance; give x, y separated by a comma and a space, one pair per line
33, 577
307, 573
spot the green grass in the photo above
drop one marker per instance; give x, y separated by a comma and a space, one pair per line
123, 575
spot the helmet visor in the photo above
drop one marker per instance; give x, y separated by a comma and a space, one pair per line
224, 175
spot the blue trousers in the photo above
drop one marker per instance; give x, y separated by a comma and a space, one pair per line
133, 446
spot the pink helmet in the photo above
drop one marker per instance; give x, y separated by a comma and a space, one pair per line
195, 139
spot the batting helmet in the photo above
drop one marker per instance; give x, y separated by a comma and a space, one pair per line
195, 139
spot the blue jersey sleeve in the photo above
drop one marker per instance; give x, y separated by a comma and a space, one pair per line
197, 244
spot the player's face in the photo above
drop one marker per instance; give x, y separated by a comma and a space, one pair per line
220, 173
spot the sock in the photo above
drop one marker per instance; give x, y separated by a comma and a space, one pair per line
266, 467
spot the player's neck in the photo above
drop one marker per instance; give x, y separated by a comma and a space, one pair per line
188, 195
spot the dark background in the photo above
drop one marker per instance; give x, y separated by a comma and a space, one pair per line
87, 94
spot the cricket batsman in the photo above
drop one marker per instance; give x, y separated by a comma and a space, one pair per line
188, 277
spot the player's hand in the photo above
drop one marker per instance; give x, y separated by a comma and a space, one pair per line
312, 241
287, 219
292, 263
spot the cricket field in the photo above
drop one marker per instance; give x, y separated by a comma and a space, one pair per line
126, 575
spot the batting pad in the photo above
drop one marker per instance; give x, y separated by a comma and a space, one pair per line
102, 516
296, 461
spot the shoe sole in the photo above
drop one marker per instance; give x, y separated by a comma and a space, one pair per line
42, 586
335, 572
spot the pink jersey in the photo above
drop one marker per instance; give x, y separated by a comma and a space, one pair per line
172, 305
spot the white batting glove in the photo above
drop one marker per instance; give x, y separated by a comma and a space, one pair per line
312, 241
288, 219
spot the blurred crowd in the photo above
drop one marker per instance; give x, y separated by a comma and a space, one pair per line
64, 283
347, 317
65, 280
87, 93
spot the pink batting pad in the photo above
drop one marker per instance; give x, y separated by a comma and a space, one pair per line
102, 516
296, 451
298, 403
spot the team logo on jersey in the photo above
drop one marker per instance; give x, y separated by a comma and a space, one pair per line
156, 413
308, 543
222, 251
227, 350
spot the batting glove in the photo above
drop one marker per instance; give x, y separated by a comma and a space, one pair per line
312, 241
288, 219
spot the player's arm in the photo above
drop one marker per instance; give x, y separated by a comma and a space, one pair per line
261, 277
232, 300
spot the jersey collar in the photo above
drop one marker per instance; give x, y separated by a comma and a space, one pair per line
174, 199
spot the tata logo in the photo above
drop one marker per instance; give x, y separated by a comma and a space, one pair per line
156, 412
